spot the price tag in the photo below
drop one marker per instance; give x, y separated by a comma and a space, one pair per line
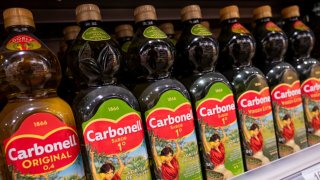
312, 173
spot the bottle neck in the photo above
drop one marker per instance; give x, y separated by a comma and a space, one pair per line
292, 19
89, 23
263, 20
229, 21
20, 29
191, 22
146, 23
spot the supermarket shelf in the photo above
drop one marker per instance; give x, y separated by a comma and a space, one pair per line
289, 167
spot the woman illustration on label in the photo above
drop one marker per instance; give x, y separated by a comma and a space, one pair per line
255, 139
168, 162
286, 126
313, 117
107, 170
215, 148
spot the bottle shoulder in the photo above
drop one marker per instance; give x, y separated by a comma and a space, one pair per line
15, 112
200, 87
152, 93
89, 100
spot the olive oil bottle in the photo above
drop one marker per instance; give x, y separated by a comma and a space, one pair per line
107, 113
213, 100
237, 47
38, 135
165, 102
124, 34
283, 81
67, 88
168, 28
301, 42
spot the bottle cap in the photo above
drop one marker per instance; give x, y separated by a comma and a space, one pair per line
71, 32
262, 12
167, 28
190, 12
17, 16
145, 12
124, 30
291, 11
205, 24
229, 12
86, 12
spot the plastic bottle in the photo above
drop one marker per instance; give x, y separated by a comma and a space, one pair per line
283, 81
301, 42
107, 113
213, 100
38, 134
165, 102
237, 47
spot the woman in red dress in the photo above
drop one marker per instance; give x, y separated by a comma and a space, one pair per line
107, 170
168, 162
215, 148
286, 126
255, 139
313, 117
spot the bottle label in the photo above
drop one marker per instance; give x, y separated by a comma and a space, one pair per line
200, 30
217, 119
114, 137
289, 116
23, 43
126, 46
171, 131
95, 34
239, 29
44, 147
255, 113
270, 26
153, 32
299, 25
310, 90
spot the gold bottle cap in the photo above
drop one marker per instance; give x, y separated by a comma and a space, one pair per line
229, 12
262, 12
124, 30
86, 12
205, 24
71, 32
167, 28
17, 16
145, 12
291, 11
190, 12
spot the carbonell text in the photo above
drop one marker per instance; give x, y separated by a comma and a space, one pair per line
110, 132
307, 88
287, 94
37, 150
256, 101
216, 110
169, 120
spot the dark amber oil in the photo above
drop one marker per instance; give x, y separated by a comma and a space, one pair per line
237, 48
284, 84
301, 42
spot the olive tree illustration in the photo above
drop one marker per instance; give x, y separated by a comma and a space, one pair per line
137, 163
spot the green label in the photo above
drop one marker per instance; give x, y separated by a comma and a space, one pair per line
170, 126
114, 137
200, 30
216, 114
95, 34
125, 46
154, 32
